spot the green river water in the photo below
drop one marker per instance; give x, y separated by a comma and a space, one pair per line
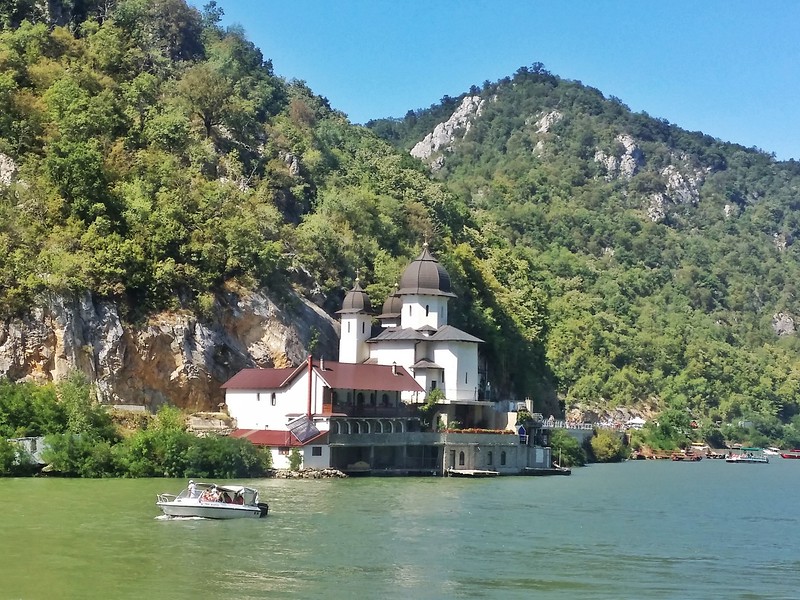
654, 529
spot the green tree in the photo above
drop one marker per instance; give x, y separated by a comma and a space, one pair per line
566, 450
607, 446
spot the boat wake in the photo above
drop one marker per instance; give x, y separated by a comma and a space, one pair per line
171, 518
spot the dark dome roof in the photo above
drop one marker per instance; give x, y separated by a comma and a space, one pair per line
425, 276
393, 305
356, 301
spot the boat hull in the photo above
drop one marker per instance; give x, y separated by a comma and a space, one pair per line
208, 510
749, 460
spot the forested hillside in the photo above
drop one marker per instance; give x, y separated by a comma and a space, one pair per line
667, 258
151, 157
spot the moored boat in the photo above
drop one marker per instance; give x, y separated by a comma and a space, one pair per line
748, 456
212, 501
793, 453
687, 456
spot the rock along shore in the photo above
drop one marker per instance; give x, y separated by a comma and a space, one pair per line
308, 473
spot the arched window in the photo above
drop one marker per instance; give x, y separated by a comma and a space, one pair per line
273, 399
334, 398
489, 457
349, 398
461, 459
372, 398
385, 399
503, 457
360, 399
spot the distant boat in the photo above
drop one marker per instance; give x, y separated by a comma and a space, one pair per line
686, 456
748, 456
772, 451
793, 453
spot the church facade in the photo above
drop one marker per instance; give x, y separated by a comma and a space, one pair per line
406, 396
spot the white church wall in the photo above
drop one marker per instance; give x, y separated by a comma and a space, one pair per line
419, 311
400, 352
355, 331
460, 363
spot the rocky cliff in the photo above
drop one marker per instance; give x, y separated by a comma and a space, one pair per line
174, 357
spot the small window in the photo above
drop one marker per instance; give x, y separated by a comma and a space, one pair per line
409, 311
489, 457
433, 384
316, 450
360, 399
283, 451
461, 459
427, 310
363, 327
385, 399
503, 457
372, 398
273, 399
348, 327
466, 377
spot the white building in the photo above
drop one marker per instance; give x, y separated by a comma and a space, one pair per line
365, 409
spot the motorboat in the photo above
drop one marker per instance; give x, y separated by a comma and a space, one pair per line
772, 451
748, 456
212, 501
794, 453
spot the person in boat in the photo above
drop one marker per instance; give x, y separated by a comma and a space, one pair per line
210, 495
192, 489
224, 497
238, 498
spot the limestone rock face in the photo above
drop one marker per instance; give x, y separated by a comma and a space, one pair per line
7, 170
444, 134
783, 324
627, 164
173, 358
546, 121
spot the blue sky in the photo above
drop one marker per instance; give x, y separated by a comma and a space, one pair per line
729, 68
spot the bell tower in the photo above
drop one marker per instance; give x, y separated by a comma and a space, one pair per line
356, 325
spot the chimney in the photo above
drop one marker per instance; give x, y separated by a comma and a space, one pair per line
321, 363
310, 371
394, 368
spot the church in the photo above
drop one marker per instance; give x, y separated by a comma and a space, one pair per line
407, 394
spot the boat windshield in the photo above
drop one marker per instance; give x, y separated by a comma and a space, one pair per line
210, 492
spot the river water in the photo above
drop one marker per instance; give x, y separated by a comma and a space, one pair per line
636, 530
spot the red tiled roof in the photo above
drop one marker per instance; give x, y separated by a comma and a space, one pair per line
259, 379
337, 375
367, 377
274, 438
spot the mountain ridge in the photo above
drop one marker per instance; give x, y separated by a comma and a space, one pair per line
607, 258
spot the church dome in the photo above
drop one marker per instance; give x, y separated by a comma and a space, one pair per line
356, 301
393, 306
425, 276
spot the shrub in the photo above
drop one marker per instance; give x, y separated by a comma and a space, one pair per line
607, 446
566, 449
